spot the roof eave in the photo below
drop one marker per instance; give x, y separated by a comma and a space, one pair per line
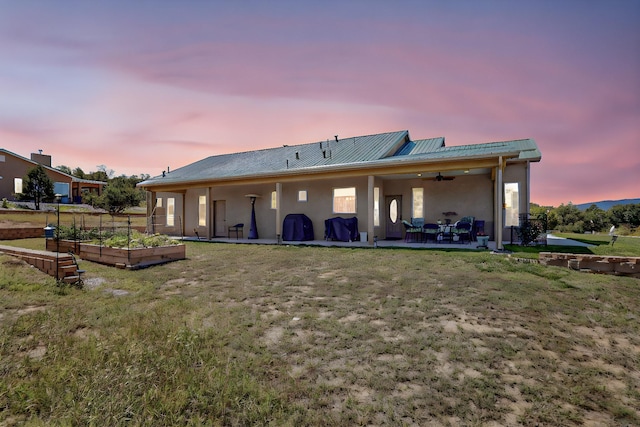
393, 165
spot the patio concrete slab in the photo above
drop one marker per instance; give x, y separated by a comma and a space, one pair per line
561, 241
354, 244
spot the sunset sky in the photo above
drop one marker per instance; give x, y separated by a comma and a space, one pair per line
139, 86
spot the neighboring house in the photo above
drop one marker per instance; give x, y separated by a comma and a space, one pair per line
379, 179
14, 168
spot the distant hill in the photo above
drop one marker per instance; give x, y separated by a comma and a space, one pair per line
606, 204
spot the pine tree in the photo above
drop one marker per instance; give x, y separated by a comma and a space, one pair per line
38, 186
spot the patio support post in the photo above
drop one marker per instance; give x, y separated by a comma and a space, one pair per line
210, 213
528, 188
370, 211
278, 212
151, 211
499, 205
183, 210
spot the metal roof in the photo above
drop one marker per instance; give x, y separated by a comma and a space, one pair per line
374, 150
288, 157
420, 146
525, 148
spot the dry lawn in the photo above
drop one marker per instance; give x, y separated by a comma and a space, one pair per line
325, 336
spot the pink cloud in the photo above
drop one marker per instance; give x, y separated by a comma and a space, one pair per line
140, 91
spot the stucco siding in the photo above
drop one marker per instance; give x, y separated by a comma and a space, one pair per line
12, 167
161, 213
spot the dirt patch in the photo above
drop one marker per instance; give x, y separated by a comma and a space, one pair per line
84, 333
13, 262
94, 282
38, 352
30, 309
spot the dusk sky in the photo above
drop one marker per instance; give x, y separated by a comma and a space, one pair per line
139, 86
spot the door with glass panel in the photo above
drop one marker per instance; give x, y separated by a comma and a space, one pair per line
394, 217
220, 218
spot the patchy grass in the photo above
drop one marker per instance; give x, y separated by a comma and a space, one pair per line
285, 335
10, 218
624, 245
601, 245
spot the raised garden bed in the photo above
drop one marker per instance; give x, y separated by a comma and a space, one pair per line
621, 266
120, 257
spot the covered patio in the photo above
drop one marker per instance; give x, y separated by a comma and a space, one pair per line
382, 181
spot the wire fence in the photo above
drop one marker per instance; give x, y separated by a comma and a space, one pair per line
82, 228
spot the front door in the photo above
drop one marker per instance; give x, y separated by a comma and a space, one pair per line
220, 218
394, 217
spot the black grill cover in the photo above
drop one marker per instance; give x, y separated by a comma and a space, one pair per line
297, 227
342, 229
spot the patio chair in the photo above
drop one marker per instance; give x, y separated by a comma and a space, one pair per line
462, 230
78, 282
238, 229
430, 232
417, 222
471, 220
412, 234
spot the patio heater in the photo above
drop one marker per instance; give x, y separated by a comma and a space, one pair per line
253, 229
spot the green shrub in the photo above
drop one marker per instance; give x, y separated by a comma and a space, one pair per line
137, 240
72, 232
118, 239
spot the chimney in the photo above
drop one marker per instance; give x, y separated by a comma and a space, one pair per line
43, 159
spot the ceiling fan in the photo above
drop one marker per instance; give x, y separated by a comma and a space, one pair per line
440, 177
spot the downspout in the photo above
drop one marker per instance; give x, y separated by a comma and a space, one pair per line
500, 206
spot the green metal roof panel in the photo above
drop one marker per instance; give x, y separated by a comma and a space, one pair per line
374, 150
420, 146
525, 147
427, 145
288, 157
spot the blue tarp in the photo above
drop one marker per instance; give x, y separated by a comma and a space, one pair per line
297, 227
342, 229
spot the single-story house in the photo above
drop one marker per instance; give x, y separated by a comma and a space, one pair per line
13, 169
380, 180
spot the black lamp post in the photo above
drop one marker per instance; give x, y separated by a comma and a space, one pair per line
253, 230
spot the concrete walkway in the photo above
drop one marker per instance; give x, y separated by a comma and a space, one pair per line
561, 241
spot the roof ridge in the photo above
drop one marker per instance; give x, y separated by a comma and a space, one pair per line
305, 144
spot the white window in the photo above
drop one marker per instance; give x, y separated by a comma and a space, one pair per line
511, 204
171, 210
302, 195
159, 202
417, 202
344, 200
274, 200
61, 188
17, 185
376, 206
202, 211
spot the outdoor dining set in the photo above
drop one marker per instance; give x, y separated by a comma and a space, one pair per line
462, 231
